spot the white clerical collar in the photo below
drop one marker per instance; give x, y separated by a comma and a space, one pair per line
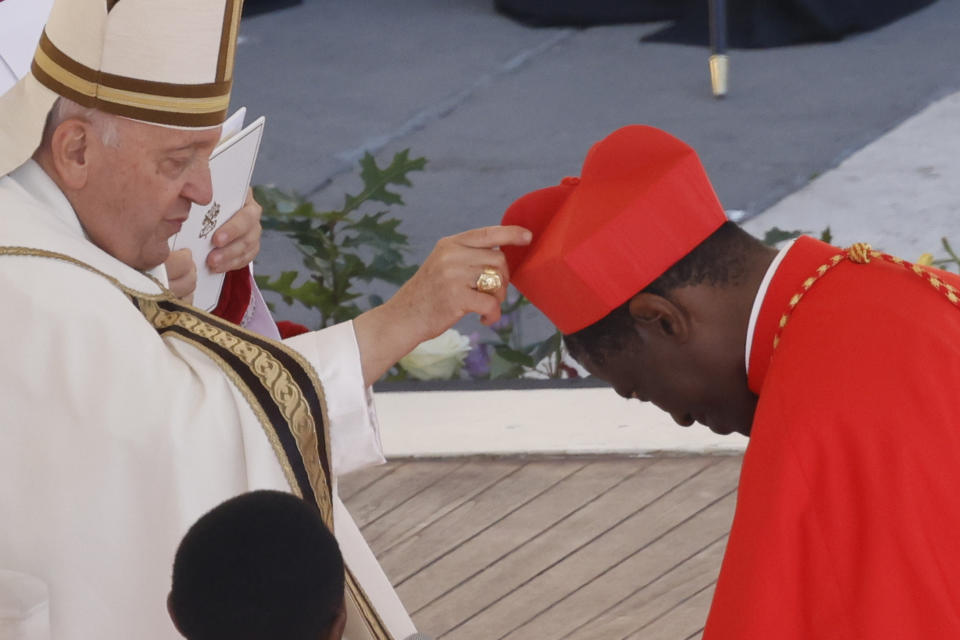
761, 294
35, 181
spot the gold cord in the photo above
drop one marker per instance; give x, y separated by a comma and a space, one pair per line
863, 253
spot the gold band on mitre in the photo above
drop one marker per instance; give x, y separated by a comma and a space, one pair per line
163, 62
182, 105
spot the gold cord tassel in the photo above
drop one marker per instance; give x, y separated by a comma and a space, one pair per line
861, 252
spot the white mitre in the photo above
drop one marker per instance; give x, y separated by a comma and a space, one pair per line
166, 62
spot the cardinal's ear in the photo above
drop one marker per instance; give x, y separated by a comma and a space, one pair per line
656, 316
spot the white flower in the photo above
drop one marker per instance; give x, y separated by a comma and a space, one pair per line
439, 358
545, 369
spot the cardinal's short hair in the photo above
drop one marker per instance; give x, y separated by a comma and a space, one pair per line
721, 261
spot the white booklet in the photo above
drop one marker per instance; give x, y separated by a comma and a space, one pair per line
231, 168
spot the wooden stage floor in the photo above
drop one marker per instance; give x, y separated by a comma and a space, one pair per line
578, 548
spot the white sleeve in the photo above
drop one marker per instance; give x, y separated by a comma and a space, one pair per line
354, 430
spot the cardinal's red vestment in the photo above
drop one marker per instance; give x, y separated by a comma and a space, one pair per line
848, 516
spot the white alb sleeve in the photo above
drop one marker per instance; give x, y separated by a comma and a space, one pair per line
354, 430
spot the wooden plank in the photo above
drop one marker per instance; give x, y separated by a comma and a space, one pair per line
350, 483
646, 523
473, 516
491, 545
392, 490
690, 592
640, 589
685, 620
435, 501
471, 598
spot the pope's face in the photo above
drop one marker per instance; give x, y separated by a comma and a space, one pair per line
691, 382
140, 189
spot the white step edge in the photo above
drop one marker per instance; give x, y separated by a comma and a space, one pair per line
535, 422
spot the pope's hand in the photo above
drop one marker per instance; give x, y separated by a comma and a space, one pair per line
237, 242
441, 292
182, 274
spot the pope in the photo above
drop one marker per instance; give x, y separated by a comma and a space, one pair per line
126, 412
841, 365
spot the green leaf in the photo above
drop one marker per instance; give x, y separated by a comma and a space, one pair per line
338, 250
546, 347
373, 230
283, 282
349, 266
950, 251
503, 368
826, 236
376, 180
389, 268
278, 205
777, 235
345, 312
286, 225
513, 355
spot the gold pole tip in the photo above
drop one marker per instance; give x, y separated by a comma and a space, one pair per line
719, 70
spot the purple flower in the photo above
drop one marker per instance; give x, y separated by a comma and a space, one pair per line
477, 362
505, 323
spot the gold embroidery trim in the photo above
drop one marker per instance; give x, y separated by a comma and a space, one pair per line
288, 397
374, 624
276, 379
255, 406
165, 294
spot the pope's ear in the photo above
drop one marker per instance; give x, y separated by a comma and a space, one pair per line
659, 316
70, 151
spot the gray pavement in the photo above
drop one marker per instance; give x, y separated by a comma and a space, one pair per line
901, 193
500, 109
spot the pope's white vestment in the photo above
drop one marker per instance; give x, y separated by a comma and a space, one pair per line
113, 440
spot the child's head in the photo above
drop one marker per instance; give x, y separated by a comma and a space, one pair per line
261, 565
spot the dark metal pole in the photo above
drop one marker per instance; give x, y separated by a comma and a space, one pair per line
719, 63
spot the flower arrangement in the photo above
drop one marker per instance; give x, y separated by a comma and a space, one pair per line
345, 248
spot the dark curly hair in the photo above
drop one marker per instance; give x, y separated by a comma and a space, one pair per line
720, 260
259, 566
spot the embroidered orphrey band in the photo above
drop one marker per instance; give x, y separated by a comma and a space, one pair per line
279, 388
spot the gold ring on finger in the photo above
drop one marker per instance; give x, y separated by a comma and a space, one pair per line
489, 280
